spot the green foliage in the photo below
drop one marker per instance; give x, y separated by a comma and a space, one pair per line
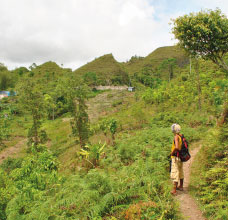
21, 71
211, 185
117, 102
109, 125
92, 153
31, 100
6, 78
138, 114
204, 34
130, 180
214, 190
113, 126
152, 62
5, 118
155, 96
168, 64
56, 98
77, 95
50, 103
148, 80
99, 192
90, 78
106, 70
120, 77
26, 183
4, 83
6, 192
10, 164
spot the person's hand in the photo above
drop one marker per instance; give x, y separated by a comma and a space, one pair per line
174, 153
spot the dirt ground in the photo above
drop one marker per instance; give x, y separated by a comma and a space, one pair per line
188, 205
12, 151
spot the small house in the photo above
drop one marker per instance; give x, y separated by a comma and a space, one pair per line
131, 89
4, 94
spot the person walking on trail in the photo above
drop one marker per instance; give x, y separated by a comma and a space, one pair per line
177, 174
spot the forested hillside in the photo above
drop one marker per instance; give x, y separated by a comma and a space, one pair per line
69, 151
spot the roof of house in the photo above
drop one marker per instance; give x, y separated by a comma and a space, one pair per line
4, 93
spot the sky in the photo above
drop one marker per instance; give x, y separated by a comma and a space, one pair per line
74, 32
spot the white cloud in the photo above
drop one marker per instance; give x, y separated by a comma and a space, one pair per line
212, 4
74, 32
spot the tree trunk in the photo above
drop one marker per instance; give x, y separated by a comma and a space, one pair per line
53, 114
81, 142
113, 140
225, 66
36, 136
222, 64
170, 72
198, 83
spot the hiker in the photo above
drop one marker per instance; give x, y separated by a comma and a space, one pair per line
177, 174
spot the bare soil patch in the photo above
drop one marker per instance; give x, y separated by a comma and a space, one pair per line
12, 151
105, 104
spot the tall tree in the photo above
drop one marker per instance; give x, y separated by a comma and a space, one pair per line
31, 99
5, 117
204, 34
168, 63
77, 95
4, 82
197, 68
5, 77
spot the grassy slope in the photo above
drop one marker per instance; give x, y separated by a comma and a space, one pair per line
155, 58
209, 174
50, 68
102, 65
137, 122
105, 67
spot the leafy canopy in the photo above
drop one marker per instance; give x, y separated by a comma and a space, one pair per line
204, 34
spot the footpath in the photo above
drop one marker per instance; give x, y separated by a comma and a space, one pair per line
188, 205
12, 151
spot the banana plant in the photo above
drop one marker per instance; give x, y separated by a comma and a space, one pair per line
92, 153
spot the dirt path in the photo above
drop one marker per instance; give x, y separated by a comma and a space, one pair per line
12, 151
188, 205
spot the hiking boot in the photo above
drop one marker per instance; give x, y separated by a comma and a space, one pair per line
174, 191
180, 188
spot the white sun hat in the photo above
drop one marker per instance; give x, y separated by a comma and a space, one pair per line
175, 128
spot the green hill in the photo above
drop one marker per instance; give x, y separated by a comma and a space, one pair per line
155, 59
107, 70
123, 171
162, 53
50, 69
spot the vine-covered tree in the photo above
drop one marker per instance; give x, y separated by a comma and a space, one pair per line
77, 95
113, 129
204, 34
31, 99
5, 117
109, 125
4, 82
